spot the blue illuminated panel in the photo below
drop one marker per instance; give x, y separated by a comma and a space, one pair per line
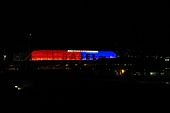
97, 55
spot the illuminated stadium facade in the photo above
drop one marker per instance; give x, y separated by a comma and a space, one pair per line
63, 60
38, 55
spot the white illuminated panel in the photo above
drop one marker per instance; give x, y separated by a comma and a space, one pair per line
89, 51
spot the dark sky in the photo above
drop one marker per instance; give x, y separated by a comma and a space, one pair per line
89, 24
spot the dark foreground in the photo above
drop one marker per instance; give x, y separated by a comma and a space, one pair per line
39, 91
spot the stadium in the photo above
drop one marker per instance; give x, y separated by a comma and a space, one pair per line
70, 55
66, 60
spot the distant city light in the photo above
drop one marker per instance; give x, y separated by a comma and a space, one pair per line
122, 71
167, 83
166, 59
16, 86
4, 57
153, 73
30, 34
19, 88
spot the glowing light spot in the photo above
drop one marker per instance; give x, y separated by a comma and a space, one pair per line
167, 59
167, 83
122, 71
16, 86
19, 88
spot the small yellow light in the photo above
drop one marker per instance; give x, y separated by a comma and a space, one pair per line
122, 71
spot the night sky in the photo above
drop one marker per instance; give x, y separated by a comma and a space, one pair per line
83, 25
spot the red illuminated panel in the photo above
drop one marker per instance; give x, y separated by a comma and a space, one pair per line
73, 56
59, 54
55, 55
42, 55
